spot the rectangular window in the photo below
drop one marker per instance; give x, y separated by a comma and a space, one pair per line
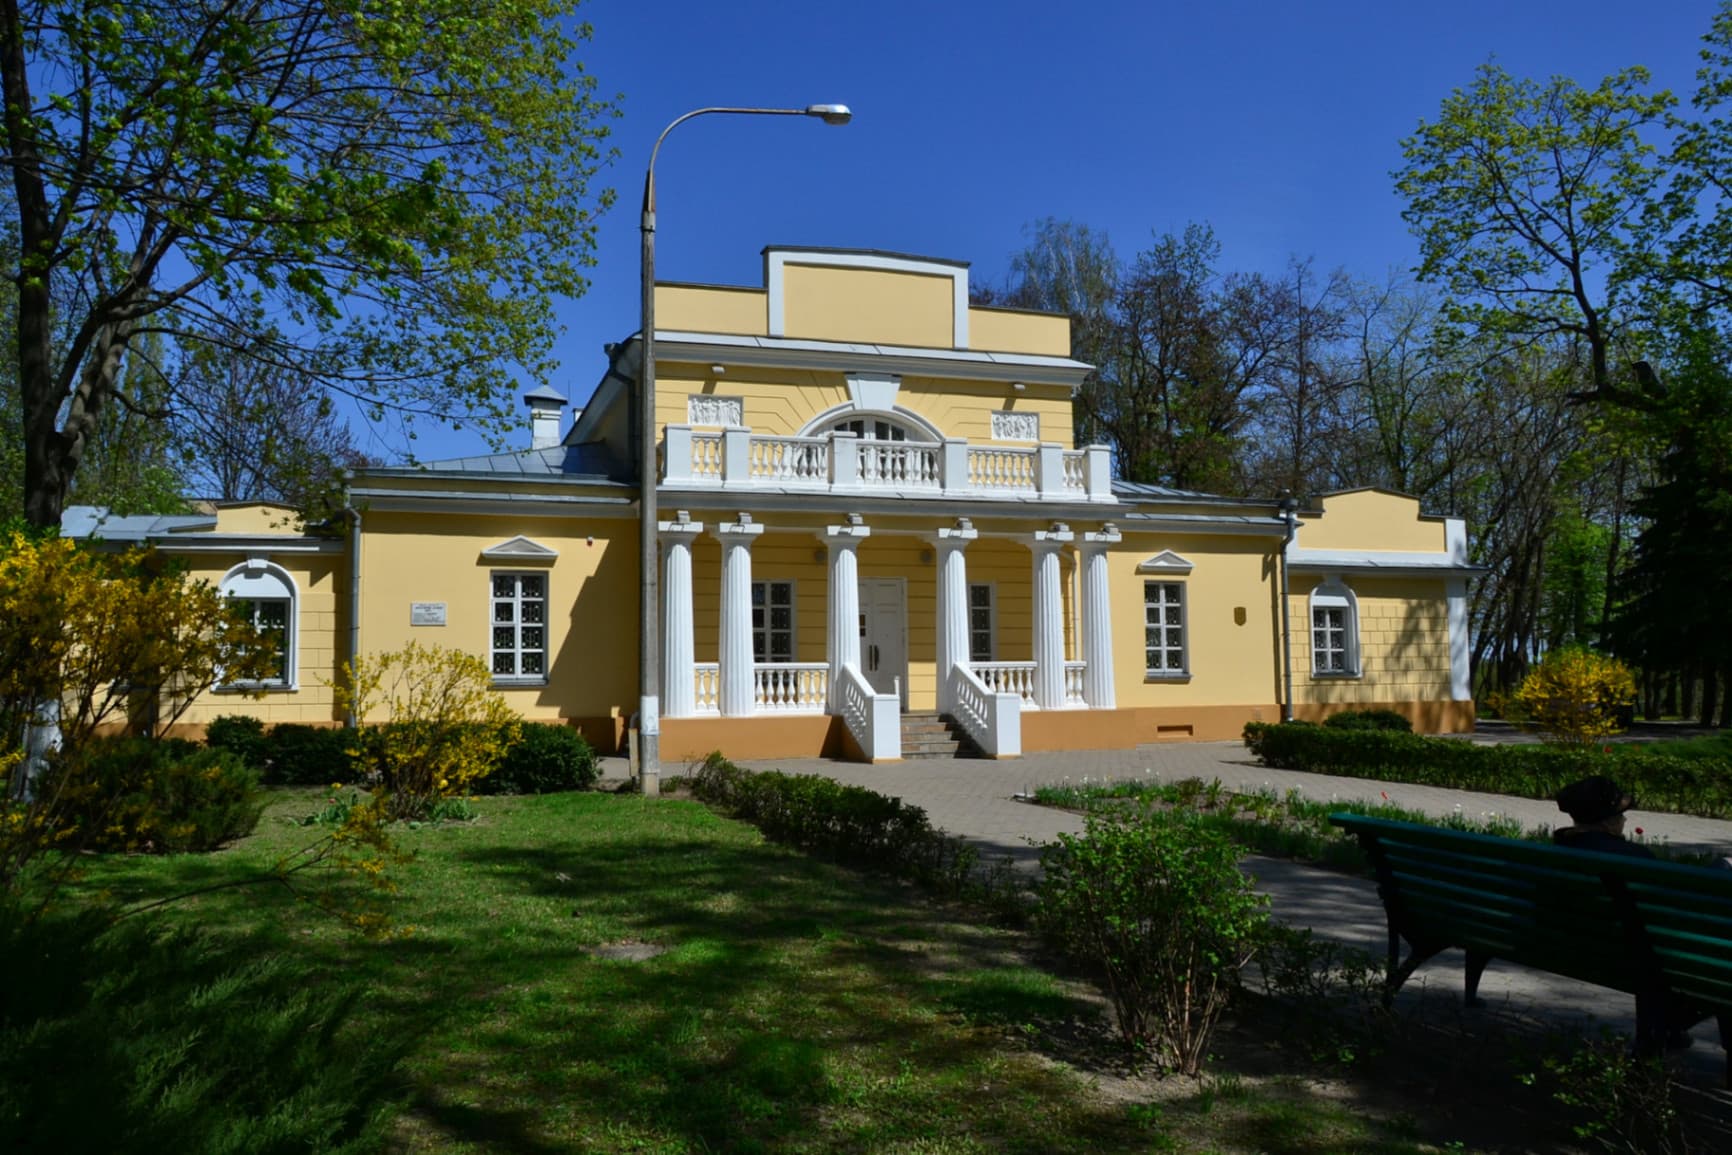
520, 626
270, 617
1329, 640
1164, 628
980, 631
772, 621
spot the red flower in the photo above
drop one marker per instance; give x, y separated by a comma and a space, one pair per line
1385, 794
1605, 749
1638, 830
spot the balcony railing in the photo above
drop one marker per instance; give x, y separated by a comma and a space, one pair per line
1018, 678
777, 687
737, 458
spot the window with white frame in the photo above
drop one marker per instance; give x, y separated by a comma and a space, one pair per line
1334, 631
265, 595
772, 621
980, 623
1164, 629
519, 650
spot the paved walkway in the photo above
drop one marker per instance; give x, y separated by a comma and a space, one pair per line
978, 800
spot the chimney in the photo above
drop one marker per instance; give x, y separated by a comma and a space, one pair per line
544, 409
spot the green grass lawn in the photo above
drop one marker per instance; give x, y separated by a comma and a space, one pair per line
796, 1007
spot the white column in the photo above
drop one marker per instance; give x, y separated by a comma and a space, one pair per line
735, 667
1097, 623
952, 603
679, 699
1049, 616
844, 601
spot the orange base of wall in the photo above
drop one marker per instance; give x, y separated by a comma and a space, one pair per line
745, 739
1427, 717
1137, 726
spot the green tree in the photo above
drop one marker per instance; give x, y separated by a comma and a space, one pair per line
392, 195
129, 465
1527, 198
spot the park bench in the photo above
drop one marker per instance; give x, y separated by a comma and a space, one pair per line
1657, 930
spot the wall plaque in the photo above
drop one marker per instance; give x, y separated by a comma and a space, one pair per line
708, 409
1008, 425
426, 613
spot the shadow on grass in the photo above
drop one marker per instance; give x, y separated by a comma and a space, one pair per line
797, 1005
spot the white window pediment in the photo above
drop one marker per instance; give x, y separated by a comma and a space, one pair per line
1166, 562
519, 549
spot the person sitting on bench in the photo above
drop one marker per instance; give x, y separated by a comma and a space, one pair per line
1596, 808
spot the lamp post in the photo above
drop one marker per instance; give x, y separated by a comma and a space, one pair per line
1289, 507
649, 608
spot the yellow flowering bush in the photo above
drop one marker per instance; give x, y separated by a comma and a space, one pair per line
437, 725
1576, 696
88, 640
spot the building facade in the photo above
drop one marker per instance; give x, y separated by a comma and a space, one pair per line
873, 507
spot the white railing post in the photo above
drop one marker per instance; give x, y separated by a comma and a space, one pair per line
844, 460
1099, 477
736, 455
953, 466
1049, 469
679, 691
677, 453
737, 689
993, 719
843, 624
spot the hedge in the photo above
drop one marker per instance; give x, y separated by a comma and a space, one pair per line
846, 823
1660, 781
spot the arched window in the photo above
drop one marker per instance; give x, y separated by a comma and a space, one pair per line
876, 428
1334, 630
265, 593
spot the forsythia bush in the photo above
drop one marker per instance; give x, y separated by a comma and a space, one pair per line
88, 639
444, 727
1575, 696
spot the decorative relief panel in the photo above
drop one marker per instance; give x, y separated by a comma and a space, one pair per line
708, 409
1008, 425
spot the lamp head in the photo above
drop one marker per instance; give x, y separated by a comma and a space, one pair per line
830, 113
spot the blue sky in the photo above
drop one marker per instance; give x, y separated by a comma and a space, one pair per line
1277, 123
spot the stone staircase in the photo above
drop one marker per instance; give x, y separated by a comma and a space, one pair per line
935, 736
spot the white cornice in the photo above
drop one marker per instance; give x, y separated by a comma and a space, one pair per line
853, 357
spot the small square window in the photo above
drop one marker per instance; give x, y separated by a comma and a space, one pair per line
1164, 635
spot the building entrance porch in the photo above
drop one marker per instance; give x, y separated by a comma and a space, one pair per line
861, 623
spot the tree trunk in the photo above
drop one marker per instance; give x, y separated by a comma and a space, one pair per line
1710, 697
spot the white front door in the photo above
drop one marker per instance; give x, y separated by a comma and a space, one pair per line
884, 635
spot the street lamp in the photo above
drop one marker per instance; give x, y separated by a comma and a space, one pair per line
649, 608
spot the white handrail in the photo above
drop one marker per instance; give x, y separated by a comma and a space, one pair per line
874, 719
996, 468
1074, 673
992, 719
706, 688
898, 464
1008, 678
783, 459
790, 687
1076, 470
707, 456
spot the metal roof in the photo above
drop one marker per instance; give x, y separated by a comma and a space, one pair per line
95, 521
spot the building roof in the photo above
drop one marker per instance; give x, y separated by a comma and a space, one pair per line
95, 521
554, 461
1142, 489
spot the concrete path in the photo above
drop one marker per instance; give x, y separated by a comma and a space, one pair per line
977, 800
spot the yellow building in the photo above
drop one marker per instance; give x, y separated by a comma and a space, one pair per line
874, 513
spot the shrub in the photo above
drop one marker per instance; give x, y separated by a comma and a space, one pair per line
132, 1040
156, 794
545, 759
847, 823
1701, 786
1369, 720
241, 735
1576, 696
448, 728
297, 755
1155, 899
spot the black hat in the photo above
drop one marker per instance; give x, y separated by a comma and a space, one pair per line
1594, 800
